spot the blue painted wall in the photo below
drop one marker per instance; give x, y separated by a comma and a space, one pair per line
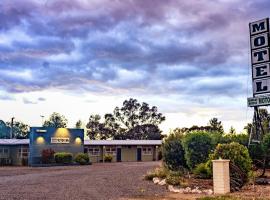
41, 138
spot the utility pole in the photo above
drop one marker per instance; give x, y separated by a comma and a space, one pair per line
42, 119
11, 127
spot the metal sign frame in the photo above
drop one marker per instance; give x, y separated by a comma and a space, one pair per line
260, 50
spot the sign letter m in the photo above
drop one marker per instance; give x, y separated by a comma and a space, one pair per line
259, 26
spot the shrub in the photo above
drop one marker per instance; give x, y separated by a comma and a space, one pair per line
47, 156
158, 172
173, 180
239, 138
63, 157
173, 152
235, 152
202, 171
256, 152
266, 144
197, 146
108, 158
82, 158
24, 161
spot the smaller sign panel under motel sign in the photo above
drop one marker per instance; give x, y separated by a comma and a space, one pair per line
260, 56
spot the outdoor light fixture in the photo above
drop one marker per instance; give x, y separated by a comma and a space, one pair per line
40, 140
78, 141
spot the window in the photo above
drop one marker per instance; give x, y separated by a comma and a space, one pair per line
23, 152
110, 150
147, 151
4, 152
93, 151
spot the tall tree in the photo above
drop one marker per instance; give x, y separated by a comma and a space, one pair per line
98, 130
133, 120
56, 120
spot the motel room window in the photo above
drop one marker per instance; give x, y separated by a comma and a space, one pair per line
93, 151
23, 152
147, 151
4, 152
110, 150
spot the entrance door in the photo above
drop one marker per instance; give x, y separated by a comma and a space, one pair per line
119, 154
139, 154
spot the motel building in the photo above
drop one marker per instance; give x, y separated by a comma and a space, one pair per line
28, 151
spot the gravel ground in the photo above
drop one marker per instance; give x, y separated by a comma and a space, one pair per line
98, 181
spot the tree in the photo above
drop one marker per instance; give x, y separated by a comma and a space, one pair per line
78, 124
4, 130
19, 130
56, 120
216, 125
173, 151
197, 146
132, 121
96, 129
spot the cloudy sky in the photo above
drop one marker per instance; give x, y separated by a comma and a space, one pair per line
189, 58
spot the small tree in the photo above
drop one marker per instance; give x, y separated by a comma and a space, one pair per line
56, 120
197, 146
173, 151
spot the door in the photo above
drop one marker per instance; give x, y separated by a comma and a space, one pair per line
119, 154
139, 154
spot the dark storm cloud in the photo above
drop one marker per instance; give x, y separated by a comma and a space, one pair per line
98, 45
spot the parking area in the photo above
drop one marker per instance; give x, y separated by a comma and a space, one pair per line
98, 181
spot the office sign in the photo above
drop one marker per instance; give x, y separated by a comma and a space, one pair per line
260, 56
59, 140
258, 101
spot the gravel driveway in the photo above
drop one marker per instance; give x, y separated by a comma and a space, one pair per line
98, 181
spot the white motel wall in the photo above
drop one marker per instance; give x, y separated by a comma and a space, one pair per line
16, 151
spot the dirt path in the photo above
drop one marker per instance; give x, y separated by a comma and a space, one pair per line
99, 181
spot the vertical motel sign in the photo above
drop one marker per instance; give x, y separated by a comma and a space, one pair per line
260, 61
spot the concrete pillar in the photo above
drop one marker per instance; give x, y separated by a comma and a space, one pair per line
221, 176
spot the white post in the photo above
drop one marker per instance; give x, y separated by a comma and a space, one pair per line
221, 176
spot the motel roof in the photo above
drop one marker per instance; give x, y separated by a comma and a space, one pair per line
13, 141
122, 142
89, 142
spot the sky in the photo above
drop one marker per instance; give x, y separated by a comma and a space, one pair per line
191, 59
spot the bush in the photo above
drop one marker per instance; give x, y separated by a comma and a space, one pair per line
256, 152
108, 158
63, 157
202, 171
158, 172
235, 152
173, 178
173, 152
197, 146
47, 156
239, 138
82, 158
